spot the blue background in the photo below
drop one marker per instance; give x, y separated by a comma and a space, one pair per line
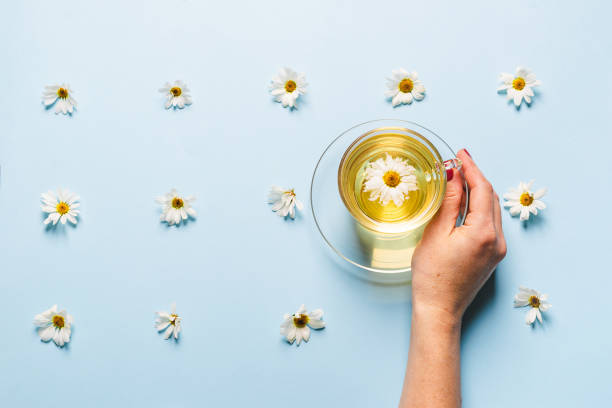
235, 270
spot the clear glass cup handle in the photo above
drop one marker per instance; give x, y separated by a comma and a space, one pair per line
453, 164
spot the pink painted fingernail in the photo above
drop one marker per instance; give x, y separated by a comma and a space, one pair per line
468, 153
449, 174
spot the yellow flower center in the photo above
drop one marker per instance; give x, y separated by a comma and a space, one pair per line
62, 208
534, 301
177, 203
391, 178
290, 86
518, 83
176, 91
406, 85
526, 199
62, 93
58, 321
300, 320
173, 319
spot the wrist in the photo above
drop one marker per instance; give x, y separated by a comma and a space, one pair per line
436, 318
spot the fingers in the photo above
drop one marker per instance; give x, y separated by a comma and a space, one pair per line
446, 218
481, 192
497, 215
501, 240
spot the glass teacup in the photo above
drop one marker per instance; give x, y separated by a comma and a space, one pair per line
379, 236
392, 179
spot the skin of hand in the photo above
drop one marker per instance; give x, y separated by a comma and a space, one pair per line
451, 264
449, 267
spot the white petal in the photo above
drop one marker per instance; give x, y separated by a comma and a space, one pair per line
520, 303
545, 306
531, 316
162, 325
540, 193
291, 334
396, 99
58, 338
316, 323
168, 332
506, 78
46, 333
304, 333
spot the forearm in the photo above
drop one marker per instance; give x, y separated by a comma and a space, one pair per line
433, 370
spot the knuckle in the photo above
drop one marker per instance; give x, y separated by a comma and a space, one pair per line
488, 238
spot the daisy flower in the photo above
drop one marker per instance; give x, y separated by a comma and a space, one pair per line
284, 201
390, 179
170, 323
297, 326
60, 207
404, 86
177, 94
535, 300
61, 96
522, 201
519, 86
287, 87
54, 325
175, 208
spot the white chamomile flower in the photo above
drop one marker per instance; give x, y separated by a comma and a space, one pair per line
284, 201
519, 86
404, 86
170, 323
54, 325
287, 87
296, 326
61, 96
61, 207
177, 94
390, 179
535, 300
522, 201
175, 208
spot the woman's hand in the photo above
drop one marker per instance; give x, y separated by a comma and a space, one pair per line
449, 267
451, 264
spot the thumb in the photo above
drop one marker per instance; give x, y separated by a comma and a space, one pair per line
446, 218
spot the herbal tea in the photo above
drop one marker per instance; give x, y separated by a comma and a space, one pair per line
391, 181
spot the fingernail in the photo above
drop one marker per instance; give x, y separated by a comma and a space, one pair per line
468, 153
449, 174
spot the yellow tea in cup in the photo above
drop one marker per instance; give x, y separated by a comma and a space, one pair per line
392, 180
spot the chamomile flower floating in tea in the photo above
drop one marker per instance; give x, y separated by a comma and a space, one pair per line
523, 201
61, 96
177, 94
175, 208
170, 323
287, 87
404, 87
54, 325
61, 207
284, 201
297, 326
536, 301
390, 179
519, 86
